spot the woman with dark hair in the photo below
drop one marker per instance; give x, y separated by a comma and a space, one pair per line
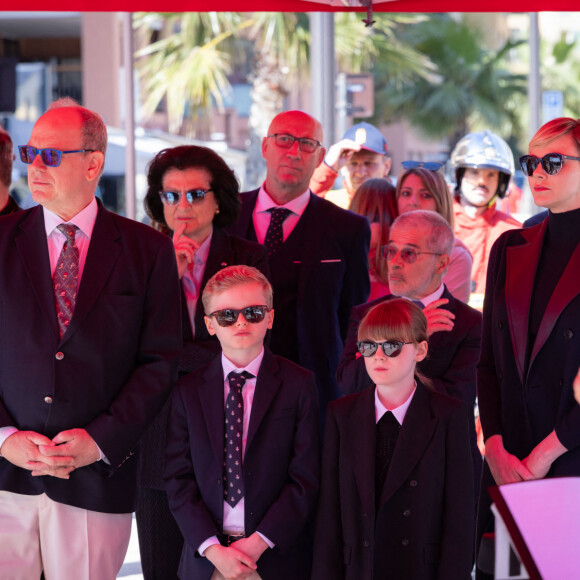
192, 195
530, 347
375, 200
420, 187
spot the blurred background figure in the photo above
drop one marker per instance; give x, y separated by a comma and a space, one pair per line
192, 194
422, 186
375, 200
484, 166
361, 154
7, 203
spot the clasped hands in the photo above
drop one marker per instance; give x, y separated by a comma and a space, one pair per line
438, 319
58, 457
238, 561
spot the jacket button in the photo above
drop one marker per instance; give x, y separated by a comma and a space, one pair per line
413, 483
219, 482
407, 513
568, 334
48, 400
59, 356
500, 325
366, 544
405, 542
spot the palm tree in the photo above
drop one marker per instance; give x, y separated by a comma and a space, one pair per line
188, 65
471, 88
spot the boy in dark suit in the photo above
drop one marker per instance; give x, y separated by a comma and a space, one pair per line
242, 461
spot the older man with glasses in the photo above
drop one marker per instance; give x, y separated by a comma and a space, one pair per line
89, 343
317, 251
418, 255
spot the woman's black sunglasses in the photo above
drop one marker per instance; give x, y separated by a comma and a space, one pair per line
551, 163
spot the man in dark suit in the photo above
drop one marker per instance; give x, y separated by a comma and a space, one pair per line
89, 343
318, 252
454, 328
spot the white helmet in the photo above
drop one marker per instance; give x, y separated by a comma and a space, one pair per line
483, 150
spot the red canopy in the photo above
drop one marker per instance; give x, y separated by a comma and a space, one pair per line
292, 6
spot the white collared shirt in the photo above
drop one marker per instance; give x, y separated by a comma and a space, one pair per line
431, 297
262, 216
233, 520
399, 412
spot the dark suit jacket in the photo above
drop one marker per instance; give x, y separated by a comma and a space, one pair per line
423, 526
333, 278
281, 465
511, 400
113, 368
225, 250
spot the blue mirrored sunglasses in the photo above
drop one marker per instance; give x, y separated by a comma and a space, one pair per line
50, 157
429, 165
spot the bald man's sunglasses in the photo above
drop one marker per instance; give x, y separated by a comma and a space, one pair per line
50, 157
286, 141
551, 163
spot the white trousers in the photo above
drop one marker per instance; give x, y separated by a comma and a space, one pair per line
68, 543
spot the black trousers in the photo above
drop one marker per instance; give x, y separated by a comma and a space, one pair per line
160, 541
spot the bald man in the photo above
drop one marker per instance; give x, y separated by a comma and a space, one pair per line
318, 252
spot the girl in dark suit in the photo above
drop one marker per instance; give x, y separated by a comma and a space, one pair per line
396, 498
192, 194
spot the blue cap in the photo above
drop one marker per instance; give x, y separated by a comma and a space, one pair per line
368, 137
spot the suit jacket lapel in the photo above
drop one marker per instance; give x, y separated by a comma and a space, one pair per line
521, 264
244, 227
566, 289
268, 384
211, 398
104, 251
360, 436
416, 432
33, 248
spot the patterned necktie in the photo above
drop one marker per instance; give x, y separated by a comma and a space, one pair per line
65, 278
233, 478
274, 235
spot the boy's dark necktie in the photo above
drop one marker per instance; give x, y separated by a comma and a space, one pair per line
65, 278
387, 431
274, 235
234, 414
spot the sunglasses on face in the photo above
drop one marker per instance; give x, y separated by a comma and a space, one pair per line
229, 316
551, 163
429, 165
50, 157
408, 255
286, 141
192, 196
391, 348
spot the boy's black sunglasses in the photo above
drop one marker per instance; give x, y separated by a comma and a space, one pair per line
50, 157
551, 163
229, 316
391, 348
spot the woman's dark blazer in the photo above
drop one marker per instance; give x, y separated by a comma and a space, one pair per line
423, 527
225, 250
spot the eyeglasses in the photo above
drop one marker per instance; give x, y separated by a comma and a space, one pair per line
50, 157
192, 196
429, 165
229, 316
286, 141
408, 255
391, 348
551, 163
